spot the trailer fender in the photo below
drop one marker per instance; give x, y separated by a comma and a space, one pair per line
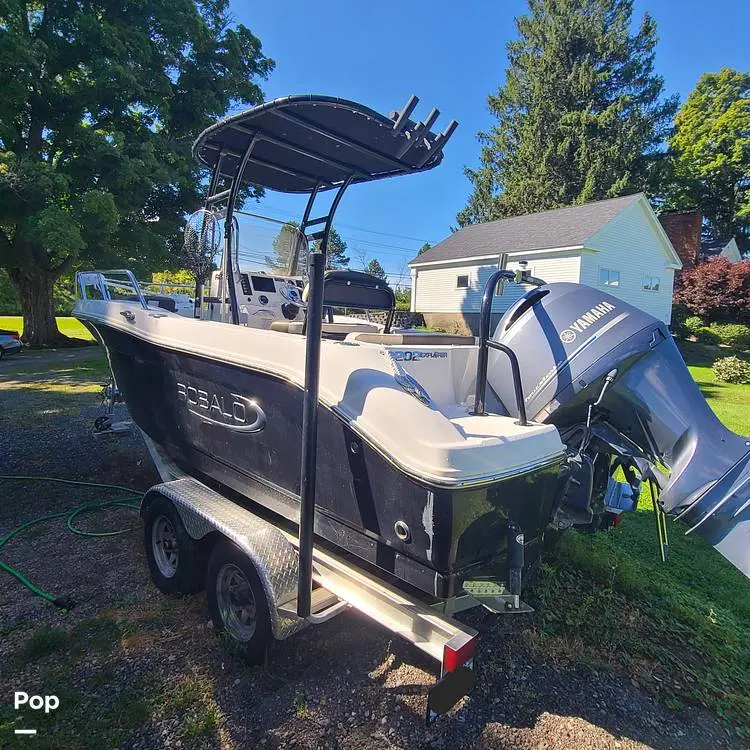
204, 512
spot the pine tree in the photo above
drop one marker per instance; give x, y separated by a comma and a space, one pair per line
580, 116
376, 269
282, 246
336, 256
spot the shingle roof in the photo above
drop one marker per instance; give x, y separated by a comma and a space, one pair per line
562, 227
714, 247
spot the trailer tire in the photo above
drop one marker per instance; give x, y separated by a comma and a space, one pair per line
237, 602
175, 560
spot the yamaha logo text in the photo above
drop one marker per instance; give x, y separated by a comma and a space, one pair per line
568, 335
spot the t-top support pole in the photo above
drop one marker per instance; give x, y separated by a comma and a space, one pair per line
314, 320
227, 270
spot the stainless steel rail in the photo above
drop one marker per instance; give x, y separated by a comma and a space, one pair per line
485, 344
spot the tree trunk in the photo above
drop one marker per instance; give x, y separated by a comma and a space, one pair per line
35, 290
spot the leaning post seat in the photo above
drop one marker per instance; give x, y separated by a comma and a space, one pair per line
344, 288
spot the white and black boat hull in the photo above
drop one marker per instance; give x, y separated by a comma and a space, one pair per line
239, 429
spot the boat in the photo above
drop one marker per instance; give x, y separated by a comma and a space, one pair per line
446, 463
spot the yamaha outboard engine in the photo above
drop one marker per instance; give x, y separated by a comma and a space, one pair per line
611, 379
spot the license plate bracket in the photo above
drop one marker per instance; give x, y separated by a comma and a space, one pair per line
448, 691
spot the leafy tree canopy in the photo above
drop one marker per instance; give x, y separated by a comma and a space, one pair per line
101, 103
427, 246
580, 116
403, 298
376, 269
710, 168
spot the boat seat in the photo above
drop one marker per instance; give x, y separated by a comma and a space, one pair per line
415, 339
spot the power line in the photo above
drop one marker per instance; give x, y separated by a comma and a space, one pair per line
358, 229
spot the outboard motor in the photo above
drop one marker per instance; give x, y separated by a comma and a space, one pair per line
611, 379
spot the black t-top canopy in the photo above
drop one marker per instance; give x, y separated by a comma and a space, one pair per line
301, 142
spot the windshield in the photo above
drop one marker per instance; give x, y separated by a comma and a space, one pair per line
269, 245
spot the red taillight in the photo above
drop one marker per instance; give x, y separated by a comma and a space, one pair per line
455, 656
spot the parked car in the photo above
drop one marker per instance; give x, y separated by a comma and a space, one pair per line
10, 343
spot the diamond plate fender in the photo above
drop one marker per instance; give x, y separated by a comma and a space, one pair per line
202, 511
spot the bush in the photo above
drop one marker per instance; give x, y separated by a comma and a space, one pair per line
679, 314
732, 370
707, 336
733, 334
716, 290
693, 324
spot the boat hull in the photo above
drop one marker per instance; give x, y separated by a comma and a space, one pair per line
239, 430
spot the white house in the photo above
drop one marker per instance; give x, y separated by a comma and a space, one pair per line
617, 245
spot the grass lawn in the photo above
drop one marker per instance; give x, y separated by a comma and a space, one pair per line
681, 629
67, 326
731, 403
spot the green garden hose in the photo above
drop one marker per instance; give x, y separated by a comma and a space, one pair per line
70, 516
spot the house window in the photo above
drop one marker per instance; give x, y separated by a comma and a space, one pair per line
608, 277
462, 282
651, 283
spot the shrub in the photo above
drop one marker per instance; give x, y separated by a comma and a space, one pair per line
733, 334
706, 336
693, 324
716, 289
679, 314
732, 370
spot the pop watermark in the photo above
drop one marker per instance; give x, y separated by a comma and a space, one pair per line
46, 703
35, 702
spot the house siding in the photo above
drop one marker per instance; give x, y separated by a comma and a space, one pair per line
629, 244
436, 290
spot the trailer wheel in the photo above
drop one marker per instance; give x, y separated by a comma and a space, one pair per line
175, 560
237, 602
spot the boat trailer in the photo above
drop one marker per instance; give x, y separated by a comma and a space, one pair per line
216, 526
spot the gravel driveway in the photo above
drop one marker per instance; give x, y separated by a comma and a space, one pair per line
134, 669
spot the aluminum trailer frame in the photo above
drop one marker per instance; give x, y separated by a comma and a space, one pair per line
340, 585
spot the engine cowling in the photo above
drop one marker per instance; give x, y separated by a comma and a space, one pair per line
568, 338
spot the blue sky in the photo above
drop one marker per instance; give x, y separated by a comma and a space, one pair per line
451, 55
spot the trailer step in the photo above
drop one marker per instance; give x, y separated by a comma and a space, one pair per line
321, 602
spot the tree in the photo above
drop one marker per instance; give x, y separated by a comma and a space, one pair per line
101, 102
427, 246
336, 255
376, 269
710, 149
716, 289
403, 298
580, 116
282, 246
